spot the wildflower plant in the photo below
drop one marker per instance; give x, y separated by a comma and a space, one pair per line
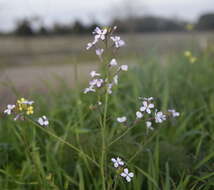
102, 83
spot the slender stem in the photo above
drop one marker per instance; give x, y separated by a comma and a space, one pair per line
122, 135
63, 141
143, 144
103, 131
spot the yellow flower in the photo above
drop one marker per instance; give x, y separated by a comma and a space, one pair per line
25, 105
29, 110
193, 59
187, 53
189, 27
21, 105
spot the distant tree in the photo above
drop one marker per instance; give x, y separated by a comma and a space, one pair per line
43, 31
79, 28
60, 29
24, 28
206, 22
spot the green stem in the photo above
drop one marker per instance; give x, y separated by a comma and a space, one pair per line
64, 142
103, 131
143, 145
122, 135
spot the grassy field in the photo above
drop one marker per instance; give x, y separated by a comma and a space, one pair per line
177, 155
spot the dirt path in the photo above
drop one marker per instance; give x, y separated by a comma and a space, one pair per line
31, 78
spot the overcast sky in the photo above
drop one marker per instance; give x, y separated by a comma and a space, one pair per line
66, 11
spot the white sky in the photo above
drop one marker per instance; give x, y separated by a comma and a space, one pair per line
65, 11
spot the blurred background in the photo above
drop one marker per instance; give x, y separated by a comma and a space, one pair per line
44, 40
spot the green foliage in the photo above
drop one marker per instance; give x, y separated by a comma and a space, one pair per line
177, 155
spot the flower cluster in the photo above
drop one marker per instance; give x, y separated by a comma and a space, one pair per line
124, 172
150, 114
23, 108
110, 79
190, 57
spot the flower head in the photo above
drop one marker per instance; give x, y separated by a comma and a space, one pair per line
100, 33
115, 78
149, 125
174, 113
117, 162
117, 41
127, 175
113, 62
43, 121
139, 115
187, 54
89, 89
159, 117
26, 106
124, 67
99, 52
94, 74
9, 109
146, 107
122, 119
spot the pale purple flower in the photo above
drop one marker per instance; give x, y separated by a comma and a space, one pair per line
96, 82
174, 113
43, 121
99, 33
122, 119
124, 67
146, 107
139, 115
127, 175
113, 63
9, 109
149, 125
99, 52
159, 117
117, 41
89, 89
117, 162
94, 74
115, 78
109, 89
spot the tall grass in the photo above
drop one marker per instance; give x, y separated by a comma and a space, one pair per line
177, 155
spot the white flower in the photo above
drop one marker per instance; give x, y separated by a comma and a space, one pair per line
109, 89
159, 117
99, 103
127, 175
89, 45
115, 28
124, 67
146, 107
96, 82
43, 121
9, 109
113, 62
139, 114
115, 78
117, 162
28, 102
99, 52
117, 41
149, 125
94, 74
99, 33
149, 99
122, 119
89, 89
174, 113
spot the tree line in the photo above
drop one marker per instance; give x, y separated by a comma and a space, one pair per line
133, 24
